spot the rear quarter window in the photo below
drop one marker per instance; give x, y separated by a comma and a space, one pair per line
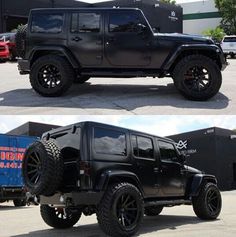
47, 23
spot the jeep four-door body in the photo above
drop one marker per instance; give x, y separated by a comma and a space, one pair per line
117, 173
61, 46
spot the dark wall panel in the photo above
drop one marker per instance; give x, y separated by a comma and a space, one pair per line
211, 150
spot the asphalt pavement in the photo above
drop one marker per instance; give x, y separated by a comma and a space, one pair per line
173, 222
112, 96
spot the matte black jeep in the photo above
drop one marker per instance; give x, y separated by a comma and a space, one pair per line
117, 173
61, 46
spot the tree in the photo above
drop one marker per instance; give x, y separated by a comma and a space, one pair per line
216, 34
227, 10
169, 1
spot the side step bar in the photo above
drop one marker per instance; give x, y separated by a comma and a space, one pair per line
167, 202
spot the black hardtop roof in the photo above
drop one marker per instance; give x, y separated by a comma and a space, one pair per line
84, 9
91, 123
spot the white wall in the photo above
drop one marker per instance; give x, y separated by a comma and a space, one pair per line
199, 25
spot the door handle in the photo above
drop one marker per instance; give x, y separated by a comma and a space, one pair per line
156, 170
111, 39
76, 39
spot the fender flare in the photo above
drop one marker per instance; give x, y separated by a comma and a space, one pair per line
184, 48
197, 182
119, 174
63, 51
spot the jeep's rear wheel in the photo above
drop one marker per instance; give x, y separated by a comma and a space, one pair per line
207, 205
59, 218
120, 212
197, 77
153, 210
43, 168
51, 76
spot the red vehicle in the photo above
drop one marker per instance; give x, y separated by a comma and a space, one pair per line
7, 47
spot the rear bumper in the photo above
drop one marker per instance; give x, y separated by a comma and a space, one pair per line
4, 54
73, 199
23, 66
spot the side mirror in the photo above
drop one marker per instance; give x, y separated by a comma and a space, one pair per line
141, 28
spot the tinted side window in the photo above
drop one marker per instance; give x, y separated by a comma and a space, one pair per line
47, 23
89, 22
167, 151
142, 147
123, 22
107, 141
229, 39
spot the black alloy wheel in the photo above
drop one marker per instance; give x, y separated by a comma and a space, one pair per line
127, 211
213, 202
49, 76
34, 167
197, 79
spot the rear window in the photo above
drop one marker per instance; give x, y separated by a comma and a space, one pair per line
107, 141
230, 39
47, 23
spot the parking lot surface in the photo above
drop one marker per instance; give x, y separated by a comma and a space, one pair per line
176, 221
112, 96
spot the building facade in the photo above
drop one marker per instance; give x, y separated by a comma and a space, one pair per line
200, 16
212, 150
165, 18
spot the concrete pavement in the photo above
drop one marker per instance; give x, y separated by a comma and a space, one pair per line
112, 96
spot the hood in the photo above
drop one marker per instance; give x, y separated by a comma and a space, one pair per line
192, 170
186, 38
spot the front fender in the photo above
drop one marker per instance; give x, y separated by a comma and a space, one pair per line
197, 182
54, 49
183, 49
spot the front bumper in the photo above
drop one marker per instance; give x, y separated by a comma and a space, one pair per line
23, 66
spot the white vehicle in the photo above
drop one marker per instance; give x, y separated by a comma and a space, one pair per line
229, 45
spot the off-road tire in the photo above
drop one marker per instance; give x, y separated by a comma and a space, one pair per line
19, 202
192, 61
65, 73
153, 210
81, 79
201, 202
49, 169
107, 212
52, 217
20, 40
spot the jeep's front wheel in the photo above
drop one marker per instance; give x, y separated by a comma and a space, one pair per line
51, 76
207, 205
59, 217
120, 212
197, 77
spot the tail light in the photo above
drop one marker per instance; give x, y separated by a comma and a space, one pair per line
85, 168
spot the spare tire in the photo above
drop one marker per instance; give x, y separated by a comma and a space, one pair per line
20, 40
42, 167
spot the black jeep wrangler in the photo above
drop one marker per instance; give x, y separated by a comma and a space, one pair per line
61, 46
117, 173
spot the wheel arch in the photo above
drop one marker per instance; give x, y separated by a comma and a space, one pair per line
38, 52
197, 182
117, 176
211, 51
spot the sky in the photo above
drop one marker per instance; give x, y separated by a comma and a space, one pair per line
157, 125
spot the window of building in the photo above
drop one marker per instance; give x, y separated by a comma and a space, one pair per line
142, 147
167, 151
47, 23
123, 22
107, 141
